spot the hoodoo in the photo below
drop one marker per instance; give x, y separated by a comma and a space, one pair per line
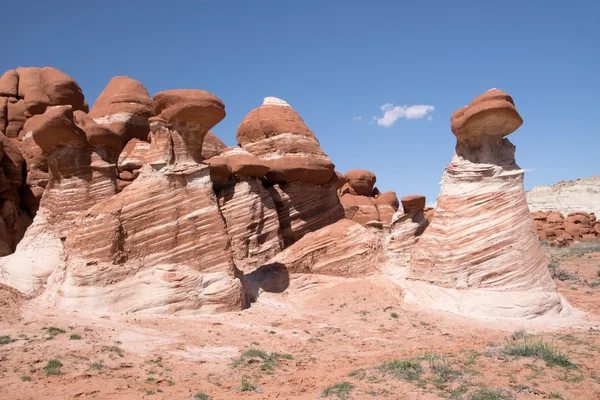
481, 255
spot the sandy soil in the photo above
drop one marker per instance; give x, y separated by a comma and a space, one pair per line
319, 333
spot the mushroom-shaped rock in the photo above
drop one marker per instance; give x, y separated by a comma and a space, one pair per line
124, 107
277, 135
490, 114
481, 255
361, 181
183, 117
413, 203
213, 146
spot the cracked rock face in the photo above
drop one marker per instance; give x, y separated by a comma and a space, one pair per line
480, 255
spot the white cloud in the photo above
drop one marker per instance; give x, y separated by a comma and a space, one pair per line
357, 118
430, 118
392, 113
528, 169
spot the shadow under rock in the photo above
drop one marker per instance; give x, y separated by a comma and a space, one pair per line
272, 278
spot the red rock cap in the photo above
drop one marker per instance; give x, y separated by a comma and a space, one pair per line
362, 181
413, 203
492, 113
276, 134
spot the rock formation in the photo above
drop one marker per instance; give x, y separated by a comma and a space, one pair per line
160, 245
480, 255
345, 249
362, 201
78, 179
304, 192
407, 226
25, 93
552, 226
124, 107
567, 197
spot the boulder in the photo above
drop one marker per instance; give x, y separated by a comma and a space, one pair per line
491, 114
44, 87
361, 181
124, 107
9, 83
361, 209
387, 205
213, 146
413, 203
277, 135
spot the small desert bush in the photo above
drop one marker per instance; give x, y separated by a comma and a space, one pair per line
201, 396
340, 390
247, 386
538, 349
53, 367
269, 360
489, 394
409, 370
519, 334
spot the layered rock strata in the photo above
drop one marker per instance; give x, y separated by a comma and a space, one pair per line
160, 245
480, 255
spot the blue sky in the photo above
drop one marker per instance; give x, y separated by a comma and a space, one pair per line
336, 61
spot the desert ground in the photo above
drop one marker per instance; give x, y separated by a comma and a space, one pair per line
322, 337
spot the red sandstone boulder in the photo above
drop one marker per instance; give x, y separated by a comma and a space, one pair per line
277, 135
213, 146
56, 128
99, 136
555, 218
9, 83
492, 113
578, 219
361, 181
387, 205
124, 107
133, 155
43, 87
361, 209
15, 113
413, 203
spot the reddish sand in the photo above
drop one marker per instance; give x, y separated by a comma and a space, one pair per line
329, 327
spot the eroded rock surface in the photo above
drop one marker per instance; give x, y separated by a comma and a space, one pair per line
480, 255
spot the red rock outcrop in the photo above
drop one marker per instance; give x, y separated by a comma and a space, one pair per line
277, 135
24, 93
303, 207
213, 146
407, 226
164, 229
345, 249
480, 255
363, 202
124, 107
560, 231
78, 178
252, 222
